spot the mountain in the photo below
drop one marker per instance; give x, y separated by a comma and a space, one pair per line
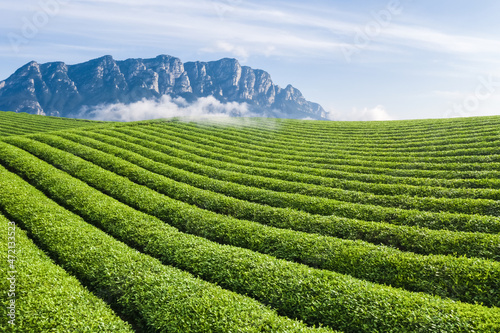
58, 89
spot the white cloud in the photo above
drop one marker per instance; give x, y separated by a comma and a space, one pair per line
377, 113
310, 34
447, 94
167, 107
221, 46
245, 29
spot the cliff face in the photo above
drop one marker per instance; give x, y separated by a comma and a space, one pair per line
58, 89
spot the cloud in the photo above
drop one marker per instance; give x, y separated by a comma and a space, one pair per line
297, 42
378, 113
166, 107
243, 29
221, 46
447, 94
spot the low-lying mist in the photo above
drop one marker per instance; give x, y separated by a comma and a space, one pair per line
167, 107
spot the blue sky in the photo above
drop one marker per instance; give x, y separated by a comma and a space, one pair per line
362, 60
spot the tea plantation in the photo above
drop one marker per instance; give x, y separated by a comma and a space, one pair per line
249, 225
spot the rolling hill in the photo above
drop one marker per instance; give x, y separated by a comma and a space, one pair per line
12, 123
250, 225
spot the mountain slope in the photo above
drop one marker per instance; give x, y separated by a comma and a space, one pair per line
64, 90
23, 123
258, 225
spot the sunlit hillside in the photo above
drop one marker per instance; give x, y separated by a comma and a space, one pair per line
251, 225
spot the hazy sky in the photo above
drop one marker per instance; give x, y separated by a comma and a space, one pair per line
395, 59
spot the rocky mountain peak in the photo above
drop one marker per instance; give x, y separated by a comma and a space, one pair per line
59, 89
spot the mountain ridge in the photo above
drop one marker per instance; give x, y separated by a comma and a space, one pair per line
58, 89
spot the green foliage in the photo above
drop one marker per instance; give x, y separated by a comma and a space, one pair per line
47, 298
154, 297
311, 172
224, 171
22, 123
305, 197
321, 206
251, 206
264, 137
469, 280
458, 243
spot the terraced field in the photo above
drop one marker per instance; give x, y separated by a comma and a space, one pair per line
12, 123
253, 225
